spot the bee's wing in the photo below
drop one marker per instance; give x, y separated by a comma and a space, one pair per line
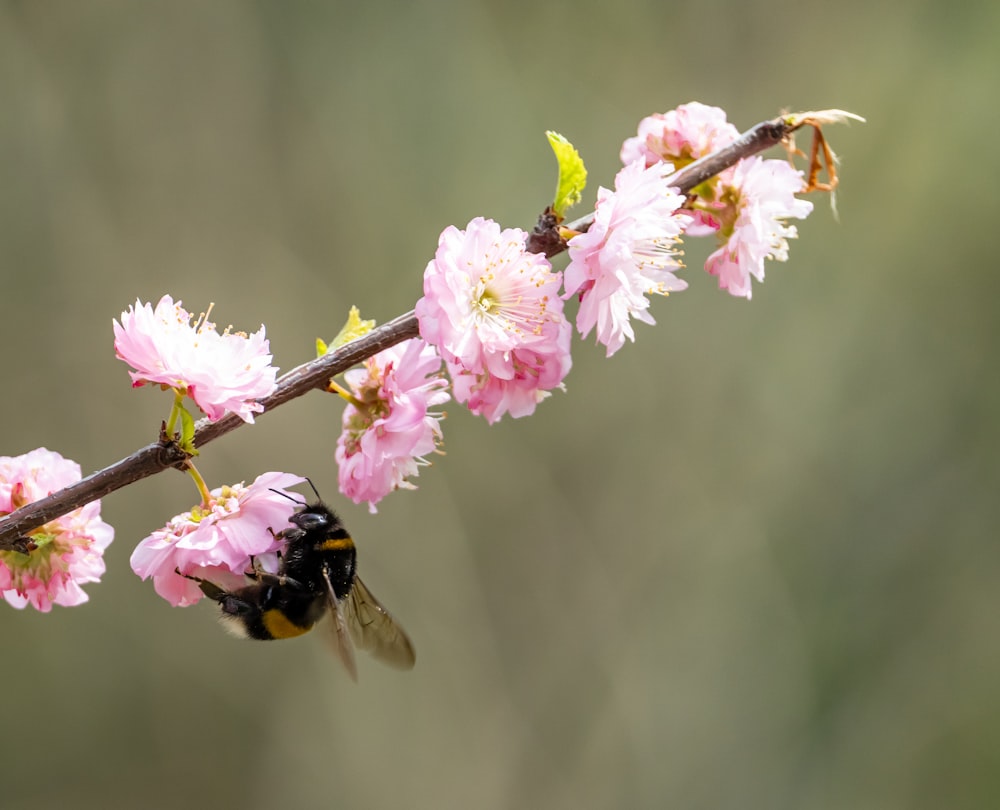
374, 630
339, 636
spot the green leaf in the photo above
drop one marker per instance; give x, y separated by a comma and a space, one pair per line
187, 432
354, 328
572, 173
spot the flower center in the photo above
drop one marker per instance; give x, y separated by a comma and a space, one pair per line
513, 306
727, 217
487, 302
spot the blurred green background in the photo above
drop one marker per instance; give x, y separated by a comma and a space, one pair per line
751, 562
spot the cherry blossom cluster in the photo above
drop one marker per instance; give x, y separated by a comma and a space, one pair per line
745, 206
494, 334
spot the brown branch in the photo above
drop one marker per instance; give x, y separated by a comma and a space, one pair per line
162, 454
755, 140
159, 456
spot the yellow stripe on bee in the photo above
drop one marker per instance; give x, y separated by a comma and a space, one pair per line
338, 544
280, 626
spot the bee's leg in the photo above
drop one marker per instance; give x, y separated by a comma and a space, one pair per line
259, 575
256, 571
279, 579
210, 589
285, 535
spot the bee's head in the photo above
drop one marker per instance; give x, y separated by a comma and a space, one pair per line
314, 516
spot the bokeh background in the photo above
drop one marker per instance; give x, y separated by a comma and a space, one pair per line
750, 562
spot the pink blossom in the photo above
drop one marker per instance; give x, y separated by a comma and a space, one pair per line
761, 195
680, 136
389, 426
493, 311
627, 254
533, 376
216, 541
220, 372
69, 549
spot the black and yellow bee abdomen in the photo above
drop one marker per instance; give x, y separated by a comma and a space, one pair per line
280, 625
270, 609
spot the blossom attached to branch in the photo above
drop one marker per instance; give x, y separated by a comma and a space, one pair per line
761, 196
493, 311
220, 372
216, 540
389, 425
679, 137
745, 204
64, 553
627, 254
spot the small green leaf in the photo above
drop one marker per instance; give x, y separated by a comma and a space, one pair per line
186, 441
572, 173
352, 330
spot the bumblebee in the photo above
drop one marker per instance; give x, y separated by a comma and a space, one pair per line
317, 574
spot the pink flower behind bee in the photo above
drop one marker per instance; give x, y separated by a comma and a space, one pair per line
217, 540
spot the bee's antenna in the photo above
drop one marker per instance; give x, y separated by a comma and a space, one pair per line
315, 491
286, 495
